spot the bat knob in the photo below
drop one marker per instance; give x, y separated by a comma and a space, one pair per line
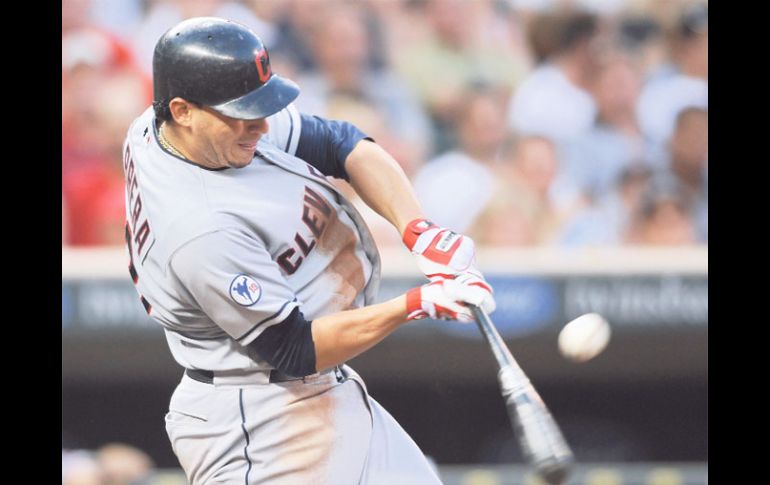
556, 473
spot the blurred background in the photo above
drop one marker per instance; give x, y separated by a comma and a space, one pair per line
568, 138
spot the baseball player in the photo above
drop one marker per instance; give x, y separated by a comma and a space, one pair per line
263, 276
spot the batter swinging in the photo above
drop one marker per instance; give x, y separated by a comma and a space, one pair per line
263, 276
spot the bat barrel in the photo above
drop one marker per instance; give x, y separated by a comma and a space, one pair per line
539, 436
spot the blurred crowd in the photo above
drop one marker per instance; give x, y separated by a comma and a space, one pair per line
520, 122
110, 464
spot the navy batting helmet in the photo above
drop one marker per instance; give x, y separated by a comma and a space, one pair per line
220, 64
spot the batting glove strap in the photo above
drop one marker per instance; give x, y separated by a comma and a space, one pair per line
414, 230
440, 299
414, 309
441, 253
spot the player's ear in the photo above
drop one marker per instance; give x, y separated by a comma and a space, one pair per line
181, 110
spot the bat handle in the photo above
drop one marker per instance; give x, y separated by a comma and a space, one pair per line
496, 344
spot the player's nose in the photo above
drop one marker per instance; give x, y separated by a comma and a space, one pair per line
257, 126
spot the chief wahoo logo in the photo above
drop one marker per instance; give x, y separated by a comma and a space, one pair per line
263, 65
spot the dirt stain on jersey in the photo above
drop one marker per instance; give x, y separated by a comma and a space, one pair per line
294, 436
321, 434
345, 272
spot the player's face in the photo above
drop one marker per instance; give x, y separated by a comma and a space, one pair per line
222, 141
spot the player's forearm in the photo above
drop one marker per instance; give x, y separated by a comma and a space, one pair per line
344, 335
381, 182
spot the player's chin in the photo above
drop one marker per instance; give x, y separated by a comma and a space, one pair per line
238, 163
241, 158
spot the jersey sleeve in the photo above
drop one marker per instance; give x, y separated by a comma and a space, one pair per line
325, 144
234, 281
285, 128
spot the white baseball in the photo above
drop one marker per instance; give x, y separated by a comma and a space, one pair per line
585, 337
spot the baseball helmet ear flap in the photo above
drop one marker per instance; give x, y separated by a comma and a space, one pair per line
220, 64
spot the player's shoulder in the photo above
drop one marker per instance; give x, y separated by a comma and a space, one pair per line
169, 191
183, 227
141, 127
285, 129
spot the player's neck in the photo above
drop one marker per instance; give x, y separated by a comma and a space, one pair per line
163, 138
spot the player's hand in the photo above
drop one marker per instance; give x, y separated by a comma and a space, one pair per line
441, 253
447, 299
480, 294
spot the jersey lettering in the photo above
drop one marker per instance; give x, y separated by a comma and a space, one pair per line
312, 198
284, 261
315, 214
303, 246
132, 269
312, 222
135, 211
139, 226
141, 236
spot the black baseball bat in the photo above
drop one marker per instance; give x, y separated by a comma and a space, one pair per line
539, 436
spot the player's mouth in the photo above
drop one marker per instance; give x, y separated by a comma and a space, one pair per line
249, 146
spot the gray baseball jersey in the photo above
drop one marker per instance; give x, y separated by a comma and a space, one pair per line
217, 257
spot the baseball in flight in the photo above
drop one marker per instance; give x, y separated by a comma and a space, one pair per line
584, 338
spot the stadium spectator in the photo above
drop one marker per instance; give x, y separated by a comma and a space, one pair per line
467, 43
102, 91
64, 222
121, 18
606, 221
90, 55
663, 217
520, 211
553, 100
123, 464
94, 192
580, 98
683, 84
640, 37
455, 186
110, 464
80, 467
164, 14
341, 48
595, 161
688, 163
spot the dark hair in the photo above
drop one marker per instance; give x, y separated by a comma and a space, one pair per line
162, 110
693, 21
637, 170
663, 188
575, 27
542, 36
637, 30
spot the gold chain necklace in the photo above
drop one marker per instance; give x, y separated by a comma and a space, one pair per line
166, 144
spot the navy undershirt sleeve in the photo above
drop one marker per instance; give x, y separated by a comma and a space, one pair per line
325, 144
288, 346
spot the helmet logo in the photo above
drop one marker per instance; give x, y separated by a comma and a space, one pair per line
263, 65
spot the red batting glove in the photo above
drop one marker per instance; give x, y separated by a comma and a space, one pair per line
436, 300
441, 253
475, 290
